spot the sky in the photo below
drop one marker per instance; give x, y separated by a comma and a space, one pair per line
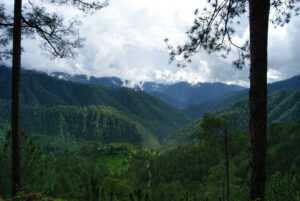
126, 40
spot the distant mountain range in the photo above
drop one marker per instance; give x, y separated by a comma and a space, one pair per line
179, 95
57, 109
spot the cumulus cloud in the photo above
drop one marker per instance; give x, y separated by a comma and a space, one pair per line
125, 40
284, 48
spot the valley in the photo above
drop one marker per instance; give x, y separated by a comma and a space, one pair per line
109, 138
162, 100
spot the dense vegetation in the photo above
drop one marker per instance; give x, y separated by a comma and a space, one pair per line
197, 110
283, 106
190, 172
90, 143
74, 123
83, 123
40, 92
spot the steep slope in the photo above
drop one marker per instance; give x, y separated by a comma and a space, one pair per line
92, 123
197, 110
283, 106
42, 90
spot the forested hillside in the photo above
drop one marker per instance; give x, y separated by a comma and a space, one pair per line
146, 116
92, 123
283, 106
42, 93
83, 142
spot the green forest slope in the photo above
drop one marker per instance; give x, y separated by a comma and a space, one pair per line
283, 106
197, 110
42, 93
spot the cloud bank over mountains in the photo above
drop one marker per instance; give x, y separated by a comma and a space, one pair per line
126, 40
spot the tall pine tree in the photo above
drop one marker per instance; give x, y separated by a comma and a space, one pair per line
212, 31
59, 39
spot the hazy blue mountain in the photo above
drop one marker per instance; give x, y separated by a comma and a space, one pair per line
291, 83
197, 110
179, 95
188, 94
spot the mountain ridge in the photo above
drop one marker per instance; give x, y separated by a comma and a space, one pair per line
179, 94
197, 110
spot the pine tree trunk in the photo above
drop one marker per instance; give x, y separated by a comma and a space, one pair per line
227, 163
259, 21
15, 99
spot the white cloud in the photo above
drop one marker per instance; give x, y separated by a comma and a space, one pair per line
125, 40
284, 48
273, 75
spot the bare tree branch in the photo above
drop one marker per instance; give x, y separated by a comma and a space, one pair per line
59, 39
43, 35
212, 32
85, 6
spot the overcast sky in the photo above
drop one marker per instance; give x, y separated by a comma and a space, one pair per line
125, 40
